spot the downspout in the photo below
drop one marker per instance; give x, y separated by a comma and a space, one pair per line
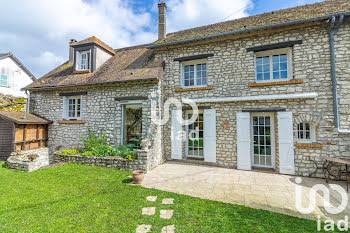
334, 27
28, 101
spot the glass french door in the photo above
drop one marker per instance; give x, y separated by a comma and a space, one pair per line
263, 141
195, 141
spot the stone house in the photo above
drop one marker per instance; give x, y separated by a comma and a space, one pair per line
273, 90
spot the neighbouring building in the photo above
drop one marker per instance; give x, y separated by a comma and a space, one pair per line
13, 76
273, 90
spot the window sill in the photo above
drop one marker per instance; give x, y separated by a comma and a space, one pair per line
71, 122
293, 81
194, 89
82, 72
309, 145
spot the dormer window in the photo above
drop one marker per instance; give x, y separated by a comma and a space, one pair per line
83, 61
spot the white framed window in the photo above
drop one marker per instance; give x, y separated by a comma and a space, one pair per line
306, 132
194, 73
4, 80
273, 65
72, 107
83, 60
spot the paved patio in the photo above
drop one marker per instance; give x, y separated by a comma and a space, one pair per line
273, 192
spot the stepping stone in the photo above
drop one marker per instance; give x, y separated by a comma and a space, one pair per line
151, 198
168, 229
143, 228
166, 214
148, 211
168, 201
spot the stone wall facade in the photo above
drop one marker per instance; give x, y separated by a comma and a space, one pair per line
232, 69
100, 113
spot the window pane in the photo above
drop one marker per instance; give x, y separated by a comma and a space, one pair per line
276, 66
266, 76
187, 68
283, 58
284, 74
259, 76
283, 65
187, 82
266, 68
276, 75
259, 68
276, 59
258, 61
307, 126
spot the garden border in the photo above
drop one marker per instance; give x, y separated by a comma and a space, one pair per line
141, 163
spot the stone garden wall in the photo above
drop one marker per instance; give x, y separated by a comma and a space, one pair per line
19, 160
141, 163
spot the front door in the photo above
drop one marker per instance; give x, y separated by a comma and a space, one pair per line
195, 136
263, 151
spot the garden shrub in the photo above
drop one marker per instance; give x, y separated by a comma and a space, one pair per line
98, 146
93, 141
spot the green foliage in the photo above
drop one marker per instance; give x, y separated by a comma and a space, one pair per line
98, 146
4, 164
93, 141
69, 152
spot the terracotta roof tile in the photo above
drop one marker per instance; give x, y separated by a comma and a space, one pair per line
274, 17
23, 118
128, 64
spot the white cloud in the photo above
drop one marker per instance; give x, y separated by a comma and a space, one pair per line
47, 58
183, 14
38, 31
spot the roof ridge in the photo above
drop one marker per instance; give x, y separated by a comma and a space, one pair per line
242, 18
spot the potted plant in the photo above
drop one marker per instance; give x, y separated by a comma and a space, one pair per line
138, 176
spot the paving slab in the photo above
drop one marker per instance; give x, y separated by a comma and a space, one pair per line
256, 189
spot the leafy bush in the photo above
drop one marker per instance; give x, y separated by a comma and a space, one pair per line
93, 141
98, 146
5, 165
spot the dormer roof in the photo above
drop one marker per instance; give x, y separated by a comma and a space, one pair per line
93, 40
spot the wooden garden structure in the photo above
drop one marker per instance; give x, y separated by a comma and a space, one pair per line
21, 131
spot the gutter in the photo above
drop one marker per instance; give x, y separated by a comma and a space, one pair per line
333, 29
87, 84
241, 31
252, 98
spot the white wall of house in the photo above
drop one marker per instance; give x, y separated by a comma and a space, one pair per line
101, 57
17, 78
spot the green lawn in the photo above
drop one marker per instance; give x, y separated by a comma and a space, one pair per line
78, 198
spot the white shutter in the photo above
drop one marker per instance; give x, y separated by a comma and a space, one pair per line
243, 141
77, 60
65, 108
176, 134
285, 141
210, 135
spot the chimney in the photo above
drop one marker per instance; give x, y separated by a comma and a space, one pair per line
71, 51
161, 20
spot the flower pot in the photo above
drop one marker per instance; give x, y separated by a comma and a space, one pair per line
138, 176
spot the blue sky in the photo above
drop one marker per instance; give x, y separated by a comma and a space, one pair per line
38, 31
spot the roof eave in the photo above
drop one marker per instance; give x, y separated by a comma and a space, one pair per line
89, 84
241, 31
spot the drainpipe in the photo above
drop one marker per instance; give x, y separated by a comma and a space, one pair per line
334, 27
28, 101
